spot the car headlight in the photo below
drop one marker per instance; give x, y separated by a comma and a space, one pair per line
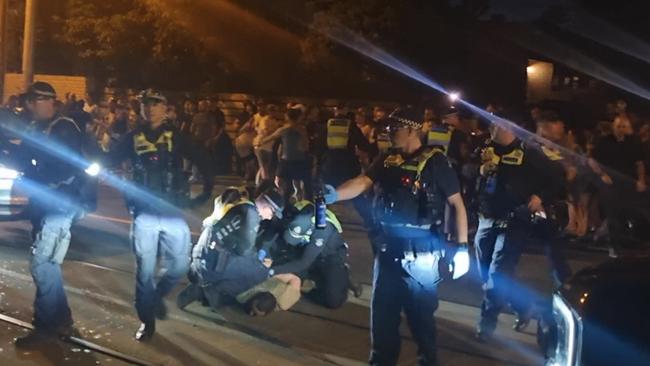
569, 334
6, 173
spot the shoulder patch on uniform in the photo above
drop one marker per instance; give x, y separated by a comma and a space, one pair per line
551, 153
319, 242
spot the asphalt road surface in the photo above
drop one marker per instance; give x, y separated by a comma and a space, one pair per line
99, 275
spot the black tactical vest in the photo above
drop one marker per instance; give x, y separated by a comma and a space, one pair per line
410, 199
158, 167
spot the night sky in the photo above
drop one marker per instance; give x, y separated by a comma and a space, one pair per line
522, 10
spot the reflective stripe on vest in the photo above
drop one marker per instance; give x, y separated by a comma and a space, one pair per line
415, 165
552, 154
143, 146
440, 137
338, 133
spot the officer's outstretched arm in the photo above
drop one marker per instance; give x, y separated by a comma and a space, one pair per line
456, 201
353, 188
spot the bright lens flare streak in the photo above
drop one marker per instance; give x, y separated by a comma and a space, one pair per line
357, 43
63, 153
554, 49
604, 33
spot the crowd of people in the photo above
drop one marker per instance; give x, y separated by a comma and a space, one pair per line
423, 179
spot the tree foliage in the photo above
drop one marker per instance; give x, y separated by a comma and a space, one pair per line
132, 41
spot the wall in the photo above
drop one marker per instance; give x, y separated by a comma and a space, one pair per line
540, 77
63, 84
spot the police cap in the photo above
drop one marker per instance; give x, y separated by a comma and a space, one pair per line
300, 225
405, 118
151, 95
40, 90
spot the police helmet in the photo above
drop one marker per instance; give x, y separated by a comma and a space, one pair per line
300, 225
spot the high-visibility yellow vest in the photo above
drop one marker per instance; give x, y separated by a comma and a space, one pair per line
439, 137
338, 133
143, 146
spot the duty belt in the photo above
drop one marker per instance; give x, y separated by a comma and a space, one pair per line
409, 248
406, 231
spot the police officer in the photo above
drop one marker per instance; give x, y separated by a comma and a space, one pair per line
516, 182
340, 162
156, 150
415, 181
321, 256
225, 261
54, 183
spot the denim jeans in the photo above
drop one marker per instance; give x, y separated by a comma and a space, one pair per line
150, 232
51, 241
498, 250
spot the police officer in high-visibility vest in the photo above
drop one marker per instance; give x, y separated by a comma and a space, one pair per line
450, 137
415, 182
159, 191
340, 162
321, 254
516, 186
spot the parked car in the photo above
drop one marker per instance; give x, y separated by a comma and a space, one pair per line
599, 317
13, 202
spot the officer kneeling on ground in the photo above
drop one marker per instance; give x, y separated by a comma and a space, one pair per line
320, 254
225, 260
415, 183
226, 265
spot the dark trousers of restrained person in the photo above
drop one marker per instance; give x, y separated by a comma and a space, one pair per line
499, 245
405, 279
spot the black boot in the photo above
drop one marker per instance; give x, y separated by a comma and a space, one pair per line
36, 338
189, 294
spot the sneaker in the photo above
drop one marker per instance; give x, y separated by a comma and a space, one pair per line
145, 331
